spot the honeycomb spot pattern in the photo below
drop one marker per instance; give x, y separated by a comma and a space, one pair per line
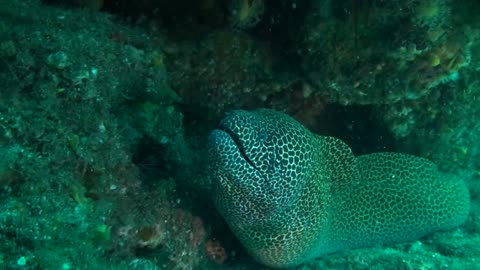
290, 195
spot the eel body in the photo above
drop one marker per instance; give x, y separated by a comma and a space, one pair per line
290, 195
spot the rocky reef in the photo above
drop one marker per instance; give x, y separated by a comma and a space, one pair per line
106, 106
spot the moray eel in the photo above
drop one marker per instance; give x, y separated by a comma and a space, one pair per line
291, 196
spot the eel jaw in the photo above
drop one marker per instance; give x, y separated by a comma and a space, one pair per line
238, 142
236, 176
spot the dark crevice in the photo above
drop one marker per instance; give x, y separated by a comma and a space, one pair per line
358, 126
150, 159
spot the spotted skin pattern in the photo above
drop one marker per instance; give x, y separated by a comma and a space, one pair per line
290, 195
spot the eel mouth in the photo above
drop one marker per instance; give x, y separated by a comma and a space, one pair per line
238, 142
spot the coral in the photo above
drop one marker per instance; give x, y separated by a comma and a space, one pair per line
436, 65
245, 13
225, 70
70, 126
215, 251
351, 59
152, 224
432, 13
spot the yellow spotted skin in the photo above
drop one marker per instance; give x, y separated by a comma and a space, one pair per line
290, 195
